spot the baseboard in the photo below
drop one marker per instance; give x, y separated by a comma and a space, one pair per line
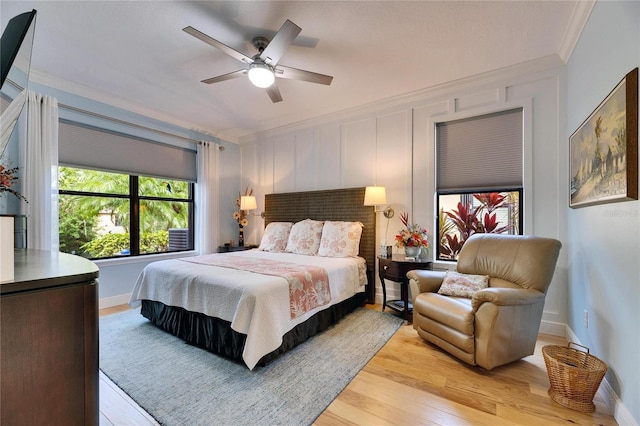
620, 412
107, 302
553, 328
605, 391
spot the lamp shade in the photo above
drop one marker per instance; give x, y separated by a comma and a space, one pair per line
375, 196
248, 202
261, 75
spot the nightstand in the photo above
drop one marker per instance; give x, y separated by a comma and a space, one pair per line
227, 249
395, 269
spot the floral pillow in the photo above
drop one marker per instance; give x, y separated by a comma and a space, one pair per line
275, 237
340, 239
462, 285
304, 237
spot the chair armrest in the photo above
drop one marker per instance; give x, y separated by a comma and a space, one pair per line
425, 280
506, 297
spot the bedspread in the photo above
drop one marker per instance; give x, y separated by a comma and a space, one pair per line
256, 305
308, 285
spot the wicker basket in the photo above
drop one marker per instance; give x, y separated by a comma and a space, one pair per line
574, 375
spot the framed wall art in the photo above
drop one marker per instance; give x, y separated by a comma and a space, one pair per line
603, 151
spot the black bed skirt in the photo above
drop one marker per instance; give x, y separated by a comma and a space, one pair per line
217, 336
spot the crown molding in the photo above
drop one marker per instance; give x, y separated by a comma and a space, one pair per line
508, 75
579, 17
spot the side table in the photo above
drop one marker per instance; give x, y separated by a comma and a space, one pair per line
227, 249
395, 269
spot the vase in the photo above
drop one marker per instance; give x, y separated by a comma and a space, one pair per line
424, 253
241, 237
411, 251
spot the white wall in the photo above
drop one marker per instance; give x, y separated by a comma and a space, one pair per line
604, 240
392, 144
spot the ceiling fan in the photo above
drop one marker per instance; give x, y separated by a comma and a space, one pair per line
263, 67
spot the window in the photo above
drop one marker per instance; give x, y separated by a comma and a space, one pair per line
105, 214
478, 179
461, 215
123, 195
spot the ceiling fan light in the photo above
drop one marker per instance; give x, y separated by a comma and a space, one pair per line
261, 75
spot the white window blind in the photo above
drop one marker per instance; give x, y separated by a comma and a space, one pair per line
480, 153
90, 147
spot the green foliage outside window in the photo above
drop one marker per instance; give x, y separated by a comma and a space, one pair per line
110, 244
75, 229
94, 211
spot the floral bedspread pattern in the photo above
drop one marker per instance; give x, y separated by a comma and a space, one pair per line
308, 285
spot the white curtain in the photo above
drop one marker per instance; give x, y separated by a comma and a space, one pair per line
9, 118
41, 164
206, 232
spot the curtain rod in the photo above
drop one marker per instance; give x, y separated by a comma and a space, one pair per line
127, 123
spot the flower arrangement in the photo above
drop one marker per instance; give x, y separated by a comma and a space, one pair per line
412, 235
7, 178
241, 215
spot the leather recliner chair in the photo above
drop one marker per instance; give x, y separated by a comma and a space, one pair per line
498, 324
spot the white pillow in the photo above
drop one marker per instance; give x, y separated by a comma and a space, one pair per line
340, 239
462, 285
304, 237
275, 237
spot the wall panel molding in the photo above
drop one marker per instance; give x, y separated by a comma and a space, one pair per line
393, 144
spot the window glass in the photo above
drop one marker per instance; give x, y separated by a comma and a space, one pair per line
157, 187
100, 219
93, 227
460, 215
85, 180
160, 218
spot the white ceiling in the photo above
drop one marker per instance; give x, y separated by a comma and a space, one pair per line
134, 54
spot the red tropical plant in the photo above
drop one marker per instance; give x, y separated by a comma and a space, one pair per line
451, 248
465, 220
492, 200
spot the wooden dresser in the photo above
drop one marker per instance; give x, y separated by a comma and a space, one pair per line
49, 356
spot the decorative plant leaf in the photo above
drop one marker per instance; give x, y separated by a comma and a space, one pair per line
457, 225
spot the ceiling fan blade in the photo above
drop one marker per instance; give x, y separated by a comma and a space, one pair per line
215, 43
296, 74
274, 93
225, 77
280, 43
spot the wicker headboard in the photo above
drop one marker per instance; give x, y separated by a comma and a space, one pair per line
333, 204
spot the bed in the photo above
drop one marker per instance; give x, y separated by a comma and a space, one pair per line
241, 304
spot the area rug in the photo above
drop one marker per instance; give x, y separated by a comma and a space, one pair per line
179, 384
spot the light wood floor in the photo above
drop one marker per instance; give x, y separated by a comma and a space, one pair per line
411, 382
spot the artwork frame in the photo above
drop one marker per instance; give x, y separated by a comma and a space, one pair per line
603, 156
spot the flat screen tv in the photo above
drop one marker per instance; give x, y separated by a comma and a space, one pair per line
15, 63
12, 39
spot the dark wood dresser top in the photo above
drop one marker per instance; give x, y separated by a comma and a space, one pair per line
38, 269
